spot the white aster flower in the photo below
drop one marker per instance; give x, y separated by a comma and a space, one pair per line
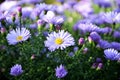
58, 40
18, 35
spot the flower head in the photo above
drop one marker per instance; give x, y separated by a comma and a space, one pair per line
95, 36
111, 54
60, 40
111, 17
61, 71
16, 70
18, 35
104, 44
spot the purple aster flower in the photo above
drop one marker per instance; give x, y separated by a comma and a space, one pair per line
115, 45
58, 40
75, 49
61, 1
58, 20
103, 3
48, 17
31, 1
33, 26
118, 2
61, 71
4, 6
116, 34
111, 17
71, 54
18, 35
98, 60
111, 54
88, 27
26, 11
95, 36
96, 18
16, 70
105, 30
104, 44
84, 8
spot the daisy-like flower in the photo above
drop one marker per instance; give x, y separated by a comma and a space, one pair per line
16, 70
58, 40
18, 35
61, 71
111, 54
111, 17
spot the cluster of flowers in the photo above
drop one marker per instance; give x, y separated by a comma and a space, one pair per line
49, 17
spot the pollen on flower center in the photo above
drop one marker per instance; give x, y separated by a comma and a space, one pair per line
58, 41
19, 38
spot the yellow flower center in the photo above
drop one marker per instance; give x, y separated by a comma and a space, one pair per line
19, 38
58, 41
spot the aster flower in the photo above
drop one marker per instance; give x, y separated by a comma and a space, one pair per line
105, 30
95, 36
18, 35
116, 34
111, 54
111, 17
58, 40
84, 8
103, 3
115, 45
49, 16
16, 70
104, 44
58, 20
61, 71
87, 27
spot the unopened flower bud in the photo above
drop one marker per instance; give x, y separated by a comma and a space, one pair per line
100, 65
81, 41
2, 30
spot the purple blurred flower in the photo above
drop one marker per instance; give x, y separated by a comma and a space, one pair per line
98, 60
85, 50
71, 54
16, 70
105, 30
88, 27
111, 54
61, 1
104, 44
31, 1
115, 45
48, 17
95, 36
116, 34
84, 8
75, 49
58, 20
111, 17
118, 2
26, 11
33, 26
96, 18
61, 71
103, 3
